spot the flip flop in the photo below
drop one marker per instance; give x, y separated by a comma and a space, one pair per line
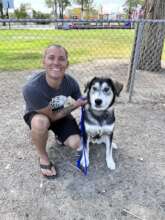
48, 167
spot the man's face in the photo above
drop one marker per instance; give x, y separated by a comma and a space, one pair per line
55, 62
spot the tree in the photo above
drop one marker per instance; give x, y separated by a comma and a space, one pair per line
58, 6
74, 13
1, 12
89, 7
22, 11
130, 5
85, 5
40, 15
153, 36
81, 2
1, 9
62, 6
54, 5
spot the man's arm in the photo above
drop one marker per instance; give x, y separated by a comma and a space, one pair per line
55, 115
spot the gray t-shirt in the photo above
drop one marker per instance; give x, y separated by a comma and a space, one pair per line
38, 94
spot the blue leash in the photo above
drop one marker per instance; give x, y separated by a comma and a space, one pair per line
83, 142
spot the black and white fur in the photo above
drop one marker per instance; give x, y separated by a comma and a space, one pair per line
99, 118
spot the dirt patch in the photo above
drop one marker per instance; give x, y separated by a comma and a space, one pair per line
135, 188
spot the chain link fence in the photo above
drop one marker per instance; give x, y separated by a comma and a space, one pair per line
131, 52
146, 70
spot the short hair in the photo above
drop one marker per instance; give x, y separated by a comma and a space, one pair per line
57, 46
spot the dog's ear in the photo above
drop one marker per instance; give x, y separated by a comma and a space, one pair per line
86, 87
118, 87
88, 84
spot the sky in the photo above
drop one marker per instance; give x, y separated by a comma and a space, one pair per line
108, 6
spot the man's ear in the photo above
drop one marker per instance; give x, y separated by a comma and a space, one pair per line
43, 61
67, 63
118, 87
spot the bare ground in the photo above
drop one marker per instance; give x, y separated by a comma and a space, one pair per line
135, 190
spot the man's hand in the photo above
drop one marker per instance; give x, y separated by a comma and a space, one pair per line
58, 102
55, 115
80, 102
67, 110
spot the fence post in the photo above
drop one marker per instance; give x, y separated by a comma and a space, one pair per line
132, 58
136, 57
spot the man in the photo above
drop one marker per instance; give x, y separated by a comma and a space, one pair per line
45, 95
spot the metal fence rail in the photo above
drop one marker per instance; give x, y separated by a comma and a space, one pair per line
130, 51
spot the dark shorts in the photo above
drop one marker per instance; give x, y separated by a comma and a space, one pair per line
62, 128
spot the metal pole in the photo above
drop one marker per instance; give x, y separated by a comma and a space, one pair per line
7, 14
136, 58
132, 58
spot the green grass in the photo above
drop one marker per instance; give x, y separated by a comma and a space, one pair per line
23, 49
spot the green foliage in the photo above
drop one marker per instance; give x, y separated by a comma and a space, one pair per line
130, 5
63, 4
86, 5
58, 6
51, 3
40, 15
21, 12
133, 3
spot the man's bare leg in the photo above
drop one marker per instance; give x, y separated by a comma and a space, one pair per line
39, 131
73, 141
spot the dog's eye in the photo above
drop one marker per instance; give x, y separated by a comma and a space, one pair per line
94, 88
106, 89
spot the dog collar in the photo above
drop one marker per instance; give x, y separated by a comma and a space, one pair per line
97, 136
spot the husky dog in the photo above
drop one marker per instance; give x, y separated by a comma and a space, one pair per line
99, 118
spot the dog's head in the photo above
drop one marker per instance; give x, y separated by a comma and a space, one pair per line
101, 93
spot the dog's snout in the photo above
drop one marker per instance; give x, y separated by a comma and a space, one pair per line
98, 101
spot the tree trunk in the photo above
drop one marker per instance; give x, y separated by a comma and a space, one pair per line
55, 9
1, 10
55, 13
61, 13
152, 47
2, 14
82, 9
153, 36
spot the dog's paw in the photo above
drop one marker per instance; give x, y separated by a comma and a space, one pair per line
114, 146
111, 165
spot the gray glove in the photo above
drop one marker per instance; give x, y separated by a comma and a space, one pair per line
58, 102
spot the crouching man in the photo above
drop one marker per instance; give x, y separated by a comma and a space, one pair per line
45, 95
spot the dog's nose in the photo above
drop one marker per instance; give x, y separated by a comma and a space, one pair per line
98, 101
